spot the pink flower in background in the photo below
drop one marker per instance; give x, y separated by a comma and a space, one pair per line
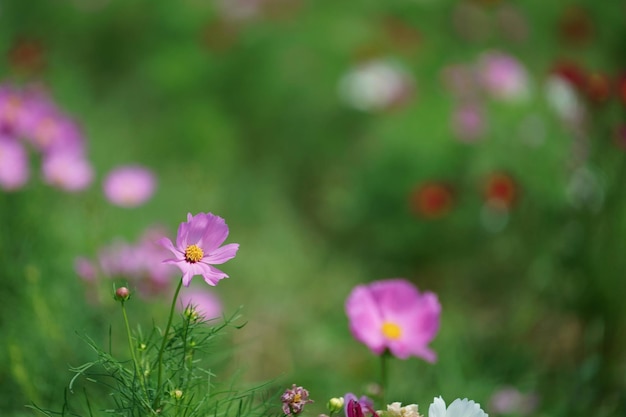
503, 76
509, 400
393, 315
206, 303
11, 104
70, 171
14, 169
129, 186
85, 269
462, 81
140, 263
198, 248
44, 126
468, 123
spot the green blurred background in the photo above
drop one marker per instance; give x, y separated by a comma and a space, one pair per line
241, 115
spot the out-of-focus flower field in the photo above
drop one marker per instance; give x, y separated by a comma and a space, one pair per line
476, 148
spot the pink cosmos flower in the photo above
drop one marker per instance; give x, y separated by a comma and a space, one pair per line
70, 171
14, 170
85, 269
468, 123
198, 247
139, 262
354, 406
504, 77
206, 303
47, 129
393, 315
509, 400
129, 186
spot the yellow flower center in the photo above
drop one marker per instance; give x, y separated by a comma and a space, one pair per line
297, 398
391, 330
193, 254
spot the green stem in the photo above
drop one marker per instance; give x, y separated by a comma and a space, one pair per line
383, 377
157, 399
132, 350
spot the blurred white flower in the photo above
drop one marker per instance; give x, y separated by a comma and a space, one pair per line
564, 100
376, 85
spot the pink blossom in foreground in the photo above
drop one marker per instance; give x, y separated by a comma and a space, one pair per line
205, 303
198, 248
294, 400
14, 165
129, 186
69, 171
393, 315
357, 406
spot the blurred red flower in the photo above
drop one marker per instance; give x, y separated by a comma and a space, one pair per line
500, 188
432, 200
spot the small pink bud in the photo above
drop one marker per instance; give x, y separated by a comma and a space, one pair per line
122, 294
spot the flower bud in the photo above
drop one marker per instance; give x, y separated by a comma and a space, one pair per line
177, 394
335, 404
122, 294
191, 314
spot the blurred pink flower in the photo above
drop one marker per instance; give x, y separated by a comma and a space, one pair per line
85, 269
44, 126
70, 171
129, 186
468, 123
140, 263
11, 104
14, 165
393, 315
509, 400
198, 248
503, 76
461, 80
206, 303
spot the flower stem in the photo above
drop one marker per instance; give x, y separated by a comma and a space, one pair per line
383, 377
157, 399
132, 350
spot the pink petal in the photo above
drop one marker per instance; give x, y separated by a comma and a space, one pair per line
365, 319
167, 244
215, 233
221, 255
